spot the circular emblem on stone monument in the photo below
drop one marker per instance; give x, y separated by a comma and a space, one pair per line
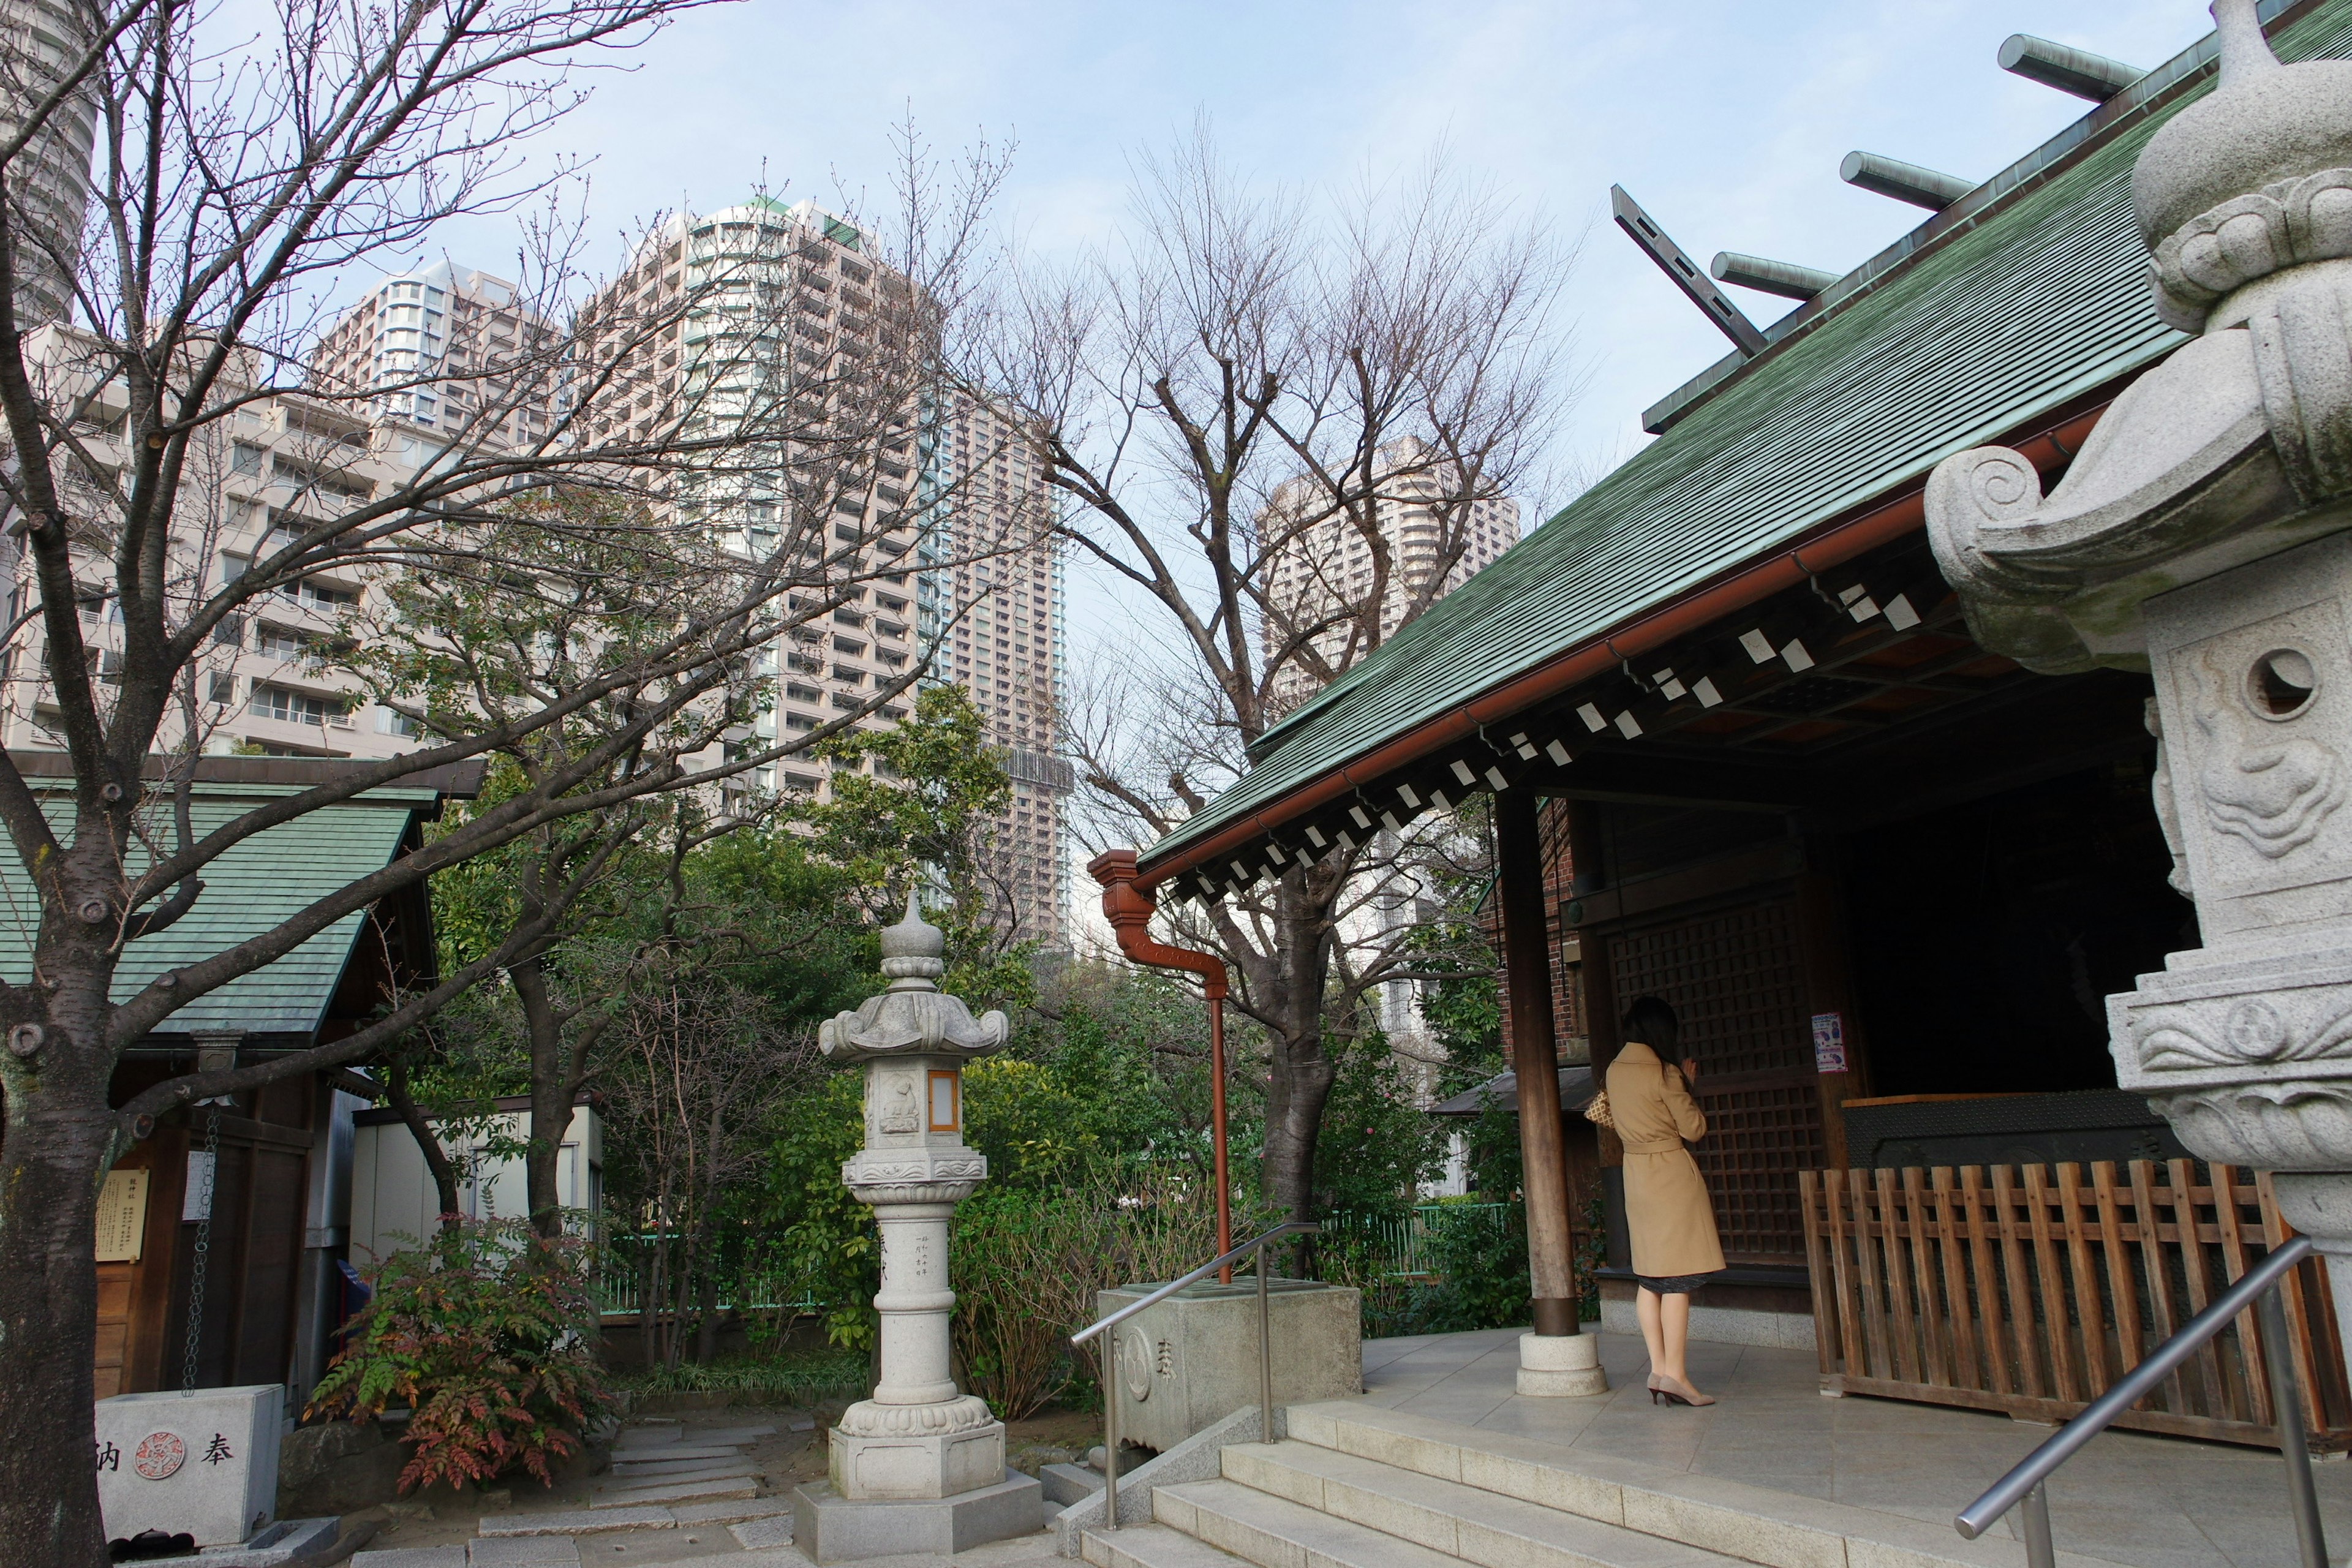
158, 1455
1135, 1360
2255, 1030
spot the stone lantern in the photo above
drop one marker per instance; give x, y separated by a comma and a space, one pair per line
2204, 534
919, 1466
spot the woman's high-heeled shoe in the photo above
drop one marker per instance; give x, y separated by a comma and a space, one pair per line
1678, 1391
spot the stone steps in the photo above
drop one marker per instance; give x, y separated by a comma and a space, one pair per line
1152, 1546
675, 1490
676, 1453
680, 1470
1374, 1516
1730, 1519
1356, 1486
1463, 1522
662, 1479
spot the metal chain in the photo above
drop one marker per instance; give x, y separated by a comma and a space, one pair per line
203, 1253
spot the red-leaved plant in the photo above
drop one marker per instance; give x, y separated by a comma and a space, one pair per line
487, 1333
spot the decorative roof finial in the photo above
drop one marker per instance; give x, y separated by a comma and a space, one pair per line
914, 951
2246, 53
914, 1016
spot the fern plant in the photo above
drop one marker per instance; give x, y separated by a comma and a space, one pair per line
488, 1334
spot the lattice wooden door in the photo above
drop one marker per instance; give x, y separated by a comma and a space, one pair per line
1735, 979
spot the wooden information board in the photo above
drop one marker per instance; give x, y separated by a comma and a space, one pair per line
123, 1216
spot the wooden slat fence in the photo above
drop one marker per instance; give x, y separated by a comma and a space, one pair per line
2031, 1288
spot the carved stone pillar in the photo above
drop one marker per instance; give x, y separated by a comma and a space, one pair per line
919, 1466
2201, 535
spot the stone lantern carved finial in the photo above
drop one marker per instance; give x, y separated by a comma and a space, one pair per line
914, 1016
2246, 53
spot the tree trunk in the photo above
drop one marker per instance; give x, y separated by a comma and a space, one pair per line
1301, 1072
552, 1092
682, 1304
53, 1157
706, 1329
437, 1159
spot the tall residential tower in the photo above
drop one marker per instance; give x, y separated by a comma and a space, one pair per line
749, 314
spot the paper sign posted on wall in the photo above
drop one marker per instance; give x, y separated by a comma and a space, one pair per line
1829, 1042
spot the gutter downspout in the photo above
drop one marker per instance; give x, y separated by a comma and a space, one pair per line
1130, 909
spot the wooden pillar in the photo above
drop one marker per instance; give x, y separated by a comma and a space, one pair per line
1526, 968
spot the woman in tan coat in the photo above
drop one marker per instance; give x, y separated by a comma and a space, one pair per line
1667, 1207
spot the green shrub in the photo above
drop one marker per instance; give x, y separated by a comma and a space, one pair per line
1026, 1264
486, 1332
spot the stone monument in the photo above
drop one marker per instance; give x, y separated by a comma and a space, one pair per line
203, 1464
2201, 535
919, 1466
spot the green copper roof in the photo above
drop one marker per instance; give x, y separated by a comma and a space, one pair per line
2043, 300
248, 890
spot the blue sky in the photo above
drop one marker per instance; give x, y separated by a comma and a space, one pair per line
1726, 121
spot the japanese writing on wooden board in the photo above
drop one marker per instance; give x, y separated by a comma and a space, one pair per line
123, 1216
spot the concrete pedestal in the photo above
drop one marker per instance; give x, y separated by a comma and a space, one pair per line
1193, 1359
203, 1464
829, 1528
1561, 1367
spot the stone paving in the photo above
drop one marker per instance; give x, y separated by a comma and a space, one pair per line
2152, 1502
673, 1491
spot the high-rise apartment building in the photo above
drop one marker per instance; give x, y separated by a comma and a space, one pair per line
267, 683
996, 595
48, 184
432, 345
753, 314
1319, 566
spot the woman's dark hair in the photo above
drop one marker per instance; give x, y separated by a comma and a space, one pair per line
1652, 1022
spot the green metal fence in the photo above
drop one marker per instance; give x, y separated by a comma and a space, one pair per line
751, 1285
1398, 1246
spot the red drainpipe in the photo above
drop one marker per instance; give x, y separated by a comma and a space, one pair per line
1129, 910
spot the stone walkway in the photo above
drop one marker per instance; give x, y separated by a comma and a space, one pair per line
673, 1494
2153, 1502
703, 1493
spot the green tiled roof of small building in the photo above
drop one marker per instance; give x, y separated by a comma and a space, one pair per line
250, 889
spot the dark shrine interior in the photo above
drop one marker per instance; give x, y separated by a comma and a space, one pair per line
1987, 936
1989, 833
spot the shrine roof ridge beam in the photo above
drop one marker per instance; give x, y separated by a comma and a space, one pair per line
1787, 567
2153, 92
1766, 276
2066, 67
1902, 182
1659, 245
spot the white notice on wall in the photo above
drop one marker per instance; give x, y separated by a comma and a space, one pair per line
121, 1216
1829, 1042
196, 1200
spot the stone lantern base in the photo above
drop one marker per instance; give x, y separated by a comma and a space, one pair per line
830, 1528
910, 1453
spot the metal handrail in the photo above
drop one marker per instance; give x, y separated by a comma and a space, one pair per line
1110, 1353
2025, 1483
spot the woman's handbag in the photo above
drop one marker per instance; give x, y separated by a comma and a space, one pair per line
1598, 1111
